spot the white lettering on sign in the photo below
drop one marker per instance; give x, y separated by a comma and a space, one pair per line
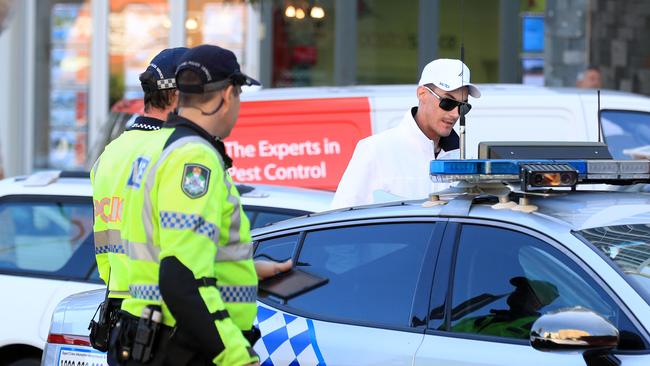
273, 172
282, 150
266, 161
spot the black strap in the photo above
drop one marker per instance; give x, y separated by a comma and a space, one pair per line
251, 352
252, 335
206, 281
220, 315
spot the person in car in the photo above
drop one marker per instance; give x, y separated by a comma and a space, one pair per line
395, 162
524, 303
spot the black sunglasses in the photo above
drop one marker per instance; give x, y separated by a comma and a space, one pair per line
449, 104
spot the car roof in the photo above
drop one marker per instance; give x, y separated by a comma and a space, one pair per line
58, 183
573, 210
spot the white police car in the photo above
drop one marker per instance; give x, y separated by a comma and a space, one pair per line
47, 252
539, 273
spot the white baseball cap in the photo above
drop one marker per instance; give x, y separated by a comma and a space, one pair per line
448, 75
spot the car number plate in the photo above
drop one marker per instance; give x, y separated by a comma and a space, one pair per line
74, 356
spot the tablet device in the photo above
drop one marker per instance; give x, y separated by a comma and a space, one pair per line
292, 283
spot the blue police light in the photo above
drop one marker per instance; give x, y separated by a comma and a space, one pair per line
541, 174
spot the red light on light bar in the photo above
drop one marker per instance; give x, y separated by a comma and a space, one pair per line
68, 339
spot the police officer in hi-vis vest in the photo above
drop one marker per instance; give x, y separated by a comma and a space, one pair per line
110, 179
191, 280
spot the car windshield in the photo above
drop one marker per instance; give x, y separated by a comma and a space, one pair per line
626, 133
629, 247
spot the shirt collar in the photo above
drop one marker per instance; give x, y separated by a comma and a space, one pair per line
143, 123
175, 121
451, 142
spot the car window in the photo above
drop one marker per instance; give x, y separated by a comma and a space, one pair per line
625, 130
277, 249
261, 216
504, 280
48, 238
372, 270
264, 218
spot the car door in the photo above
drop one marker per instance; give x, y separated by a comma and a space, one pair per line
371, 309
503, 277
46, 254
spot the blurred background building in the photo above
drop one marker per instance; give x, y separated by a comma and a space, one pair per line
66, 62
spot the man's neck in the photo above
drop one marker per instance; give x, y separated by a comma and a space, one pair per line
429, 134
202, 121
160, 114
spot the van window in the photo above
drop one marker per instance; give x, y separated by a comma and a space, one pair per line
625, 130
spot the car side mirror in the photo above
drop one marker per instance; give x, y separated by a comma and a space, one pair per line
576, 330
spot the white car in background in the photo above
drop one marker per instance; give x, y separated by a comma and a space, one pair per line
47, 251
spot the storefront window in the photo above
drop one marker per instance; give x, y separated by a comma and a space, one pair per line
303, 43
387, 42
220, 22
138, 30
61, 99
478, 26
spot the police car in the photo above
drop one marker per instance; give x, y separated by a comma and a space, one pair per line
514, 265
47, 252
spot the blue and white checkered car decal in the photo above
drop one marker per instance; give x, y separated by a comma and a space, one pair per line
286, 339
183, 221
145, 292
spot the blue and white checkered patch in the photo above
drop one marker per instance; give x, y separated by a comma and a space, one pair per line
110, 248
286, 339
182, 221
238, 293
145, 292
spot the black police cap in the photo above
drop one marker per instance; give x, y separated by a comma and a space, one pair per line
161, 72
217, 67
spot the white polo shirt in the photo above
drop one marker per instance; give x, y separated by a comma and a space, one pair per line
394, 162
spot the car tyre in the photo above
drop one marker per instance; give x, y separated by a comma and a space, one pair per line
26, 362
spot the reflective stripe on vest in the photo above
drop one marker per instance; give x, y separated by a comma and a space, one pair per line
108, 241
196, 223
234, 252
229, 294
235, 218
145, 292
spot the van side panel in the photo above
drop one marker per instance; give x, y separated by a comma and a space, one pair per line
302, 143
524, 118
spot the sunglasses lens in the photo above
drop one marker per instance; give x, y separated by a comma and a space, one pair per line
448, 104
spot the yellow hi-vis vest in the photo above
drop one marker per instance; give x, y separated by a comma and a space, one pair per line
110, 176
188, 208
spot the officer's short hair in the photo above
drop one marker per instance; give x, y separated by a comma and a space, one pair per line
189, 77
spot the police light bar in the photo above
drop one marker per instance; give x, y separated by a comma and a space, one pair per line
542, 174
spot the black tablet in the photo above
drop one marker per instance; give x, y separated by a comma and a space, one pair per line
290, 284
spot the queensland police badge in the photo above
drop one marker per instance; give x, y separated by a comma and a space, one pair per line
195, 180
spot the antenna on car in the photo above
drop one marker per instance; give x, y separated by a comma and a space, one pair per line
600, 124
461, 127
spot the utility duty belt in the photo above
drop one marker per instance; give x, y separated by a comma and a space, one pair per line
146, 341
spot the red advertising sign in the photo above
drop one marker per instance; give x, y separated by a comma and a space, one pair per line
304, 143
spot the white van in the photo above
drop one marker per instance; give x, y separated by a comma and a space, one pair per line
306, 136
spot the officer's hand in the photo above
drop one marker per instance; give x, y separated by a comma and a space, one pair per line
266, 269
254, 364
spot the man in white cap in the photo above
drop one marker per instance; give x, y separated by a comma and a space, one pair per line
394, 164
